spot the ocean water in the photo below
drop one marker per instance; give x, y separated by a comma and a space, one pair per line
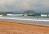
28, 19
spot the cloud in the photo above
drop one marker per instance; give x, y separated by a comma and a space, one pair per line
26, 3
7, 5
20, 5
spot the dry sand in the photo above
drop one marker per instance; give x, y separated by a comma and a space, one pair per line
12, 27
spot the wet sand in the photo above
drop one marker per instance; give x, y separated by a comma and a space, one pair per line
17, 27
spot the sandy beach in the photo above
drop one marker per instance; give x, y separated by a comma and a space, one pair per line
17, 27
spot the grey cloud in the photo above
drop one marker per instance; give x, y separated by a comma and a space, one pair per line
22, 5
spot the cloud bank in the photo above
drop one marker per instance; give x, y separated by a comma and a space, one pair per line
22, 5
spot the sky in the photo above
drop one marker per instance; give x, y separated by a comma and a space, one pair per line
23, 5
